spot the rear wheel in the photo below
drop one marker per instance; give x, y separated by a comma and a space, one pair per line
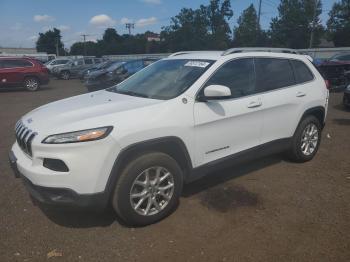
65, 75
306, 140
148, 189
31, 83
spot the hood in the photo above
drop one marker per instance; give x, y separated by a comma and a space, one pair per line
77, 110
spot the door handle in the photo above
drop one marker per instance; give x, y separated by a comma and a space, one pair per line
300, 94
254, 104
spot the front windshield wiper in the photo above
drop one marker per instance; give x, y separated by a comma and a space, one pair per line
131, 93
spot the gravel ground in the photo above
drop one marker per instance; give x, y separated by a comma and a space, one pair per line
265, 210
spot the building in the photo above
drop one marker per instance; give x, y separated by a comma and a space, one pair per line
15, 50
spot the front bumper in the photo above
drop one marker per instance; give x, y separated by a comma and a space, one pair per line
59, 196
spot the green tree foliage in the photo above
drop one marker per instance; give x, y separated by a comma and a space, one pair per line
292, 27
338, 25
248, 30
78, 48
47, 42
203, 28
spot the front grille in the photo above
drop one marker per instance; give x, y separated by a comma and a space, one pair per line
24, 137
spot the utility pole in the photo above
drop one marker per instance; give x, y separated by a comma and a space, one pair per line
259, 13
84, 37
56, 44
129, 26
313, 25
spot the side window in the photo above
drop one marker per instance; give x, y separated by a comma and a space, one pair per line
15, 63
238, 75
24, 63
273, 73
301, 71
88, 61
344, 58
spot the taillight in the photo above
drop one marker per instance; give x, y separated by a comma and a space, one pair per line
328, 84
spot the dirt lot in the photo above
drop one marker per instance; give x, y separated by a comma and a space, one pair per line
268, 210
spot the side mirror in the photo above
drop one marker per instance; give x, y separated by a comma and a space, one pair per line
216, 92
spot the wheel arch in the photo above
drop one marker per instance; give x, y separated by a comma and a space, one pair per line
171, 145
318, 112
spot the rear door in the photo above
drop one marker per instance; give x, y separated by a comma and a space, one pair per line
228, 126
13, 71
282, 98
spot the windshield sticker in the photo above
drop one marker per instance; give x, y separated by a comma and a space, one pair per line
197, 64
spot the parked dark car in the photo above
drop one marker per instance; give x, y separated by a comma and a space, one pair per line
22, 72
84, 74
336, 70
72, 68
346, 98
115, 74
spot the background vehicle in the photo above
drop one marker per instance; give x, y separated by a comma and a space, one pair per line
85, 72
346, 98
22, 72
137, 142
56, 62
115, 73
72, 68
337, 70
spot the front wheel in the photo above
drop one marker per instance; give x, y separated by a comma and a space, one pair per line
306, 140
65, 75
148, 189
31, 84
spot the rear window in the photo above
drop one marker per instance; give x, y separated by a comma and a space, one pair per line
301, 71
273, 73
13, 63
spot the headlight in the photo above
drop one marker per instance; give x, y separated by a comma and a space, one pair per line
79, 136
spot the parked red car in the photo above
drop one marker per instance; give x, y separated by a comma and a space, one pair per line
22, 72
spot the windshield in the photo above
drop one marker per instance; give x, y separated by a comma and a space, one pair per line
165, 79
114, 66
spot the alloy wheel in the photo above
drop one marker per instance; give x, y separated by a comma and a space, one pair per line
309, 139
151, 191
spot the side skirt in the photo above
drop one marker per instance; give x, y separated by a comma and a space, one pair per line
266, 149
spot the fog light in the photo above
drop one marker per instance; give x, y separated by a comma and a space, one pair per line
55, 165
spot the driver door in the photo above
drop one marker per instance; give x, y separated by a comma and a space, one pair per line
228, 126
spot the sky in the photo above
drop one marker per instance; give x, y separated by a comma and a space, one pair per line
22, 20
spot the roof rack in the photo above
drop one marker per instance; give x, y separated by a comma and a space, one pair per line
259, 49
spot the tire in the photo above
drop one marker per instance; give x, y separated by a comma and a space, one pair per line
132, 181
65, 75
303, 152
31, 84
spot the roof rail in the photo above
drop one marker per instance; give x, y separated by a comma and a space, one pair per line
189, 52
259, 49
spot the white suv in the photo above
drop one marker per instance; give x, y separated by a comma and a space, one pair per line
135, 144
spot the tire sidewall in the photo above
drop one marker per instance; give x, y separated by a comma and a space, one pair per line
297, 138
121, 197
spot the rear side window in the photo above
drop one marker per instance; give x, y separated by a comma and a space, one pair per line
301, 71
12, 63
273, 73
238, 75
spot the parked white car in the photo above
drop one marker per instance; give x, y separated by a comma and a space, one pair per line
135, 144
56, 62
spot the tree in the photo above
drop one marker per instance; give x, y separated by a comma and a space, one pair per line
78, 48
50, 41
293, 26
219, 12
248, 30
338, 24
198, 29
